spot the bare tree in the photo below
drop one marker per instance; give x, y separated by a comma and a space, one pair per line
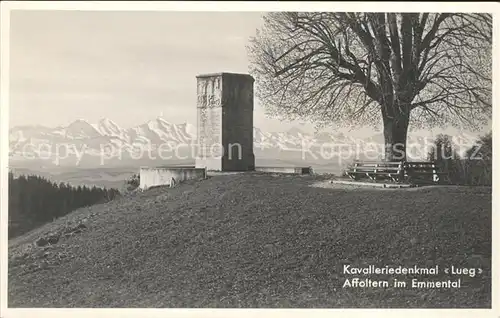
427, 69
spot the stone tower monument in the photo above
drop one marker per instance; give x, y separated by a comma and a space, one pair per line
225, 122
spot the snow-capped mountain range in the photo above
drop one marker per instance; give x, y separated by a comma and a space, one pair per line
106, 138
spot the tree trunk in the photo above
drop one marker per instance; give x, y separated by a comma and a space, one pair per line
395, 132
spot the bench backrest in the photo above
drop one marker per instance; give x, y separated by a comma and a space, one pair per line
421, 166
378, 163
372, 169
409, 166
378, 167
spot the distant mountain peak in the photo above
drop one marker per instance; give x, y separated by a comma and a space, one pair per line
158, 131
107, 121
80, 124
79, 129
296, 130
160, 118
107, 127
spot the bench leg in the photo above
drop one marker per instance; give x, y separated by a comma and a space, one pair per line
435, 177
447, 178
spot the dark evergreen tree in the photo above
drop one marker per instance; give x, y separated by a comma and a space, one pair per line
34, 200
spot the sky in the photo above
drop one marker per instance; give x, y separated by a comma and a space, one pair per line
128, 66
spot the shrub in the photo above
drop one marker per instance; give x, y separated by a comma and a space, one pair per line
475, 168
483, 148
133, 182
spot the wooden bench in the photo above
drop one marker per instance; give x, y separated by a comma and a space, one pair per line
397, 171
424, 172
376, 170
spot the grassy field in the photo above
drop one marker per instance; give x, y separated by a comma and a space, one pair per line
255, 240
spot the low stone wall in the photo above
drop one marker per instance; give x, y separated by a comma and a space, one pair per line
293, 170
151, 177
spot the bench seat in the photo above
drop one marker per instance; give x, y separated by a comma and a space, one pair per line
378, 169
397, 171
374, 169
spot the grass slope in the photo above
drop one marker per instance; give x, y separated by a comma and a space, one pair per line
255, 240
